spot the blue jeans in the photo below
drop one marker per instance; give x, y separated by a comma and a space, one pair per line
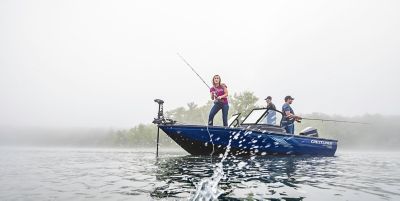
218, 106
289, 128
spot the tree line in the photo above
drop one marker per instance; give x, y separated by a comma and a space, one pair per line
382, 132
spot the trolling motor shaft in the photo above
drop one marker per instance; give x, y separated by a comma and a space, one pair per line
159, 120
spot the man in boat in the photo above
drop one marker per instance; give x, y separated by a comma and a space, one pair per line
270, 105
289, 116
270, 118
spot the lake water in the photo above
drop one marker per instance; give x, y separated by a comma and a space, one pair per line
115, 174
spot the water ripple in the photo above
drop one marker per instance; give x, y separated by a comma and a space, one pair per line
110, 174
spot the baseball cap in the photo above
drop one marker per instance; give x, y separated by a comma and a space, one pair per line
268, 97
288, 97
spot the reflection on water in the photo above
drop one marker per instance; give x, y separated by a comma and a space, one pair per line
347, 176
75, 174
104, 174
245, 177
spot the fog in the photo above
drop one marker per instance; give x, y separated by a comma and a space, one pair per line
56, 137
100, 64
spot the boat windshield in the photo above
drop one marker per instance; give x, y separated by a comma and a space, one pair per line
272, 117
264, 116
254, 116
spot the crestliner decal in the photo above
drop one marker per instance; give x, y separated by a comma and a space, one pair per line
321, 142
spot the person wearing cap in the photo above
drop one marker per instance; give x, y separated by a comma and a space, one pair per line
270, 118
270, 105
289, 116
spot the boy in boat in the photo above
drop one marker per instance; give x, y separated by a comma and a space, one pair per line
289, 116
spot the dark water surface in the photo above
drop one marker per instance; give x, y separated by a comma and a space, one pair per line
115, 174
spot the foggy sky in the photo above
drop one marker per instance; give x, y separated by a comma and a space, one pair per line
101, 63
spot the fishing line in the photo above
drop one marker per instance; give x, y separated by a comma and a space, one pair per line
209, 134
187, 63
333, 120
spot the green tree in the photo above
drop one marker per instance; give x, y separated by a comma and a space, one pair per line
243, 102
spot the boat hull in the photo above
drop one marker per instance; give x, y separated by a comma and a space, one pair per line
214, 140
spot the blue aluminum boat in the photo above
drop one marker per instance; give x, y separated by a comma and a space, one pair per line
260, 133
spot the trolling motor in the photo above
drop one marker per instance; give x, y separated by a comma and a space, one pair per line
160, 120
160, 115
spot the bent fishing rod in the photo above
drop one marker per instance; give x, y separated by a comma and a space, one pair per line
332, 120
187, 63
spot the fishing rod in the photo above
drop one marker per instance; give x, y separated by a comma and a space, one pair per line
187, 63
215, 94
331, 120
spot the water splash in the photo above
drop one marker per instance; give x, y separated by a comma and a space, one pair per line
207, 188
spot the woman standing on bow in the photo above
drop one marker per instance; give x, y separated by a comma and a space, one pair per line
219, 93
